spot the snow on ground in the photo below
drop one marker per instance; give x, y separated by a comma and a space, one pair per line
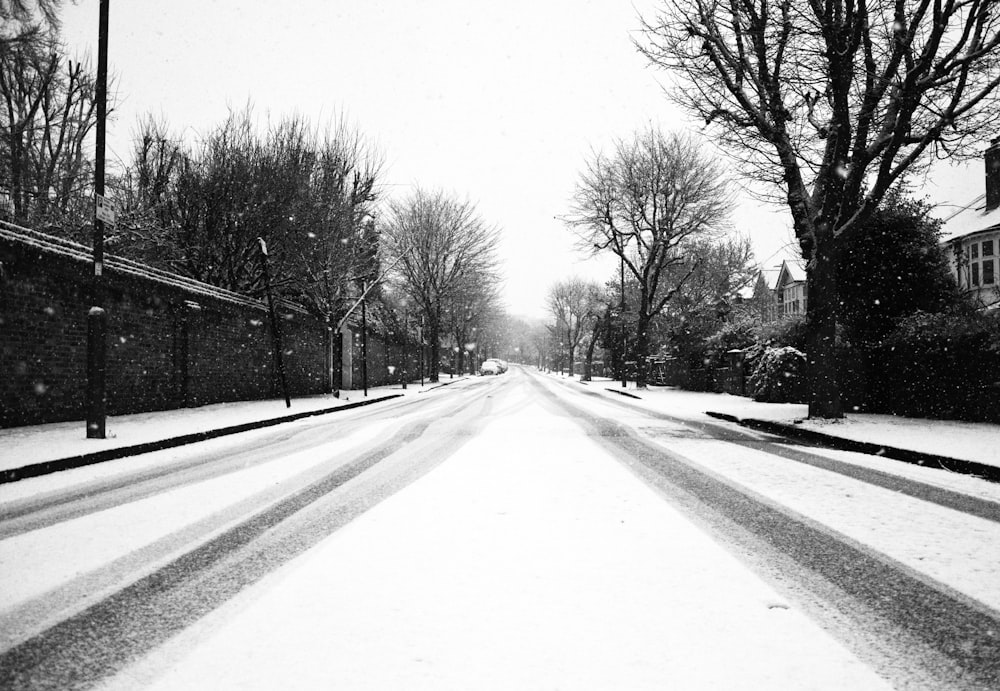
528, 560
37, 561
21, 446
959, 550
970, 441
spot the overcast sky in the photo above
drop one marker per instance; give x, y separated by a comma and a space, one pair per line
499, 103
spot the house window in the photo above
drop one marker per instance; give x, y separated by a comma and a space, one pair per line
988, 278
987, 248
974, 250
793, 299
975, 273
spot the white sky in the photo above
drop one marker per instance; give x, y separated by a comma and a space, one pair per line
499, 103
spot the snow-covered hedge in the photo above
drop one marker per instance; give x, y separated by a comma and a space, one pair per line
779, 376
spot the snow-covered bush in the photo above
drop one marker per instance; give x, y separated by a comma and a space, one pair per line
779, 376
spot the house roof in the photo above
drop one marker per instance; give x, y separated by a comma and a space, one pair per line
970, 218
794, 270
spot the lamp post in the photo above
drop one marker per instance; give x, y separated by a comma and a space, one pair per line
406, 338
364, 339
97, 318
279, 362
470, 348
622, 311
420, 343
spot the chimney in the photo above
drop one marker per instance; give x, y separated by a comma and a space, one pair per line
993, 175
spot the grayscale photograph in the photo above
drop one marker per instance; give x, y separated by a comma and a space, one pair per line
451, 345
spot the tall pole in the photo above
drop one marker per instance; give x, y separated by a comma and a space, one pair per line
279, 362
622, 311
364, 340
420, 340
97, 318
406, 349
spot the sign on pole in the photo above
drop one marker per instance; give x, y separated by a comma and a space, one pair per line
103, 210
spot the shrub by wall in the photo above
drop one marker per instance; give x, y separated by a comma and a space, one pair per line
940, 365
779, 376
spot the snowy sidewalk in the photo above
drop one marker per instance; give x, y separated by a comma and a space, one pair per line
976, 442
34, 445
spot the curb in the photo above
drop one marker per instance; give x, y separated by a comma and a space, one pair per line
623, 393
926, 460
54, 466
439, 385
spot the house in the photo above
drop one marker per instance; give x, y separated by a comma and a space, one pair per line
764, 300
791, 287
779, 292
972, 236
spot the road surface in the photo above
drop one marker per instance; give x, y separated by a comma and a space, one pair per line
520, 531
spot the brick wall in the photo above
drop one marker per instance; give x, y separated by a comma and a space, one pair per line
172, 342
383, 353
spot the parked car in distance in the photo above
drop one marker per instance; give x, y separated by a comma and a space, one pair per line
501, 364
489, 367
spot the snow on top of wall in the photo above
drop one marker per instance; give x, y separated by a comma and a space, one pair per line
75, 251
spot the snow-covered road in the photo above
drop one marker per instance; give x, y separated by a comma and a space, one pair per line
506, 533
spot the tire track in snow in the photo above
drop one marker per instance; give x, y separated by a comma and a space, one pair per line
925, 628
239, 453
974, 506
90, 646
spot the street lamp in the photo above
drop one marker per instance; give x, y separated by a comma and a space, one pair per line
97, 318
364, 339
278, 360
406, 338
622, 310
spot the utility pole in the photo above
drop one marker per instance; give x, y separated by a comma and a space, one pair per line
97, 318
622, 310
364, 339
279, 362
406, 349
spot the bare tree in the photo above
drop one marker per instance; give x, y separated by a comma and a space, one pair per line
440, 243
337, 209
47, 111
471, 309
539, 342
572, 304
832, 102
598, 319
649, 204
309, 194
22, 20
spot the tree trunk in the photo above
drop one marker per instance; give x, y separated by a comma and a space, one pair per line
821, 330
641, 348
434, 365
588, 363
